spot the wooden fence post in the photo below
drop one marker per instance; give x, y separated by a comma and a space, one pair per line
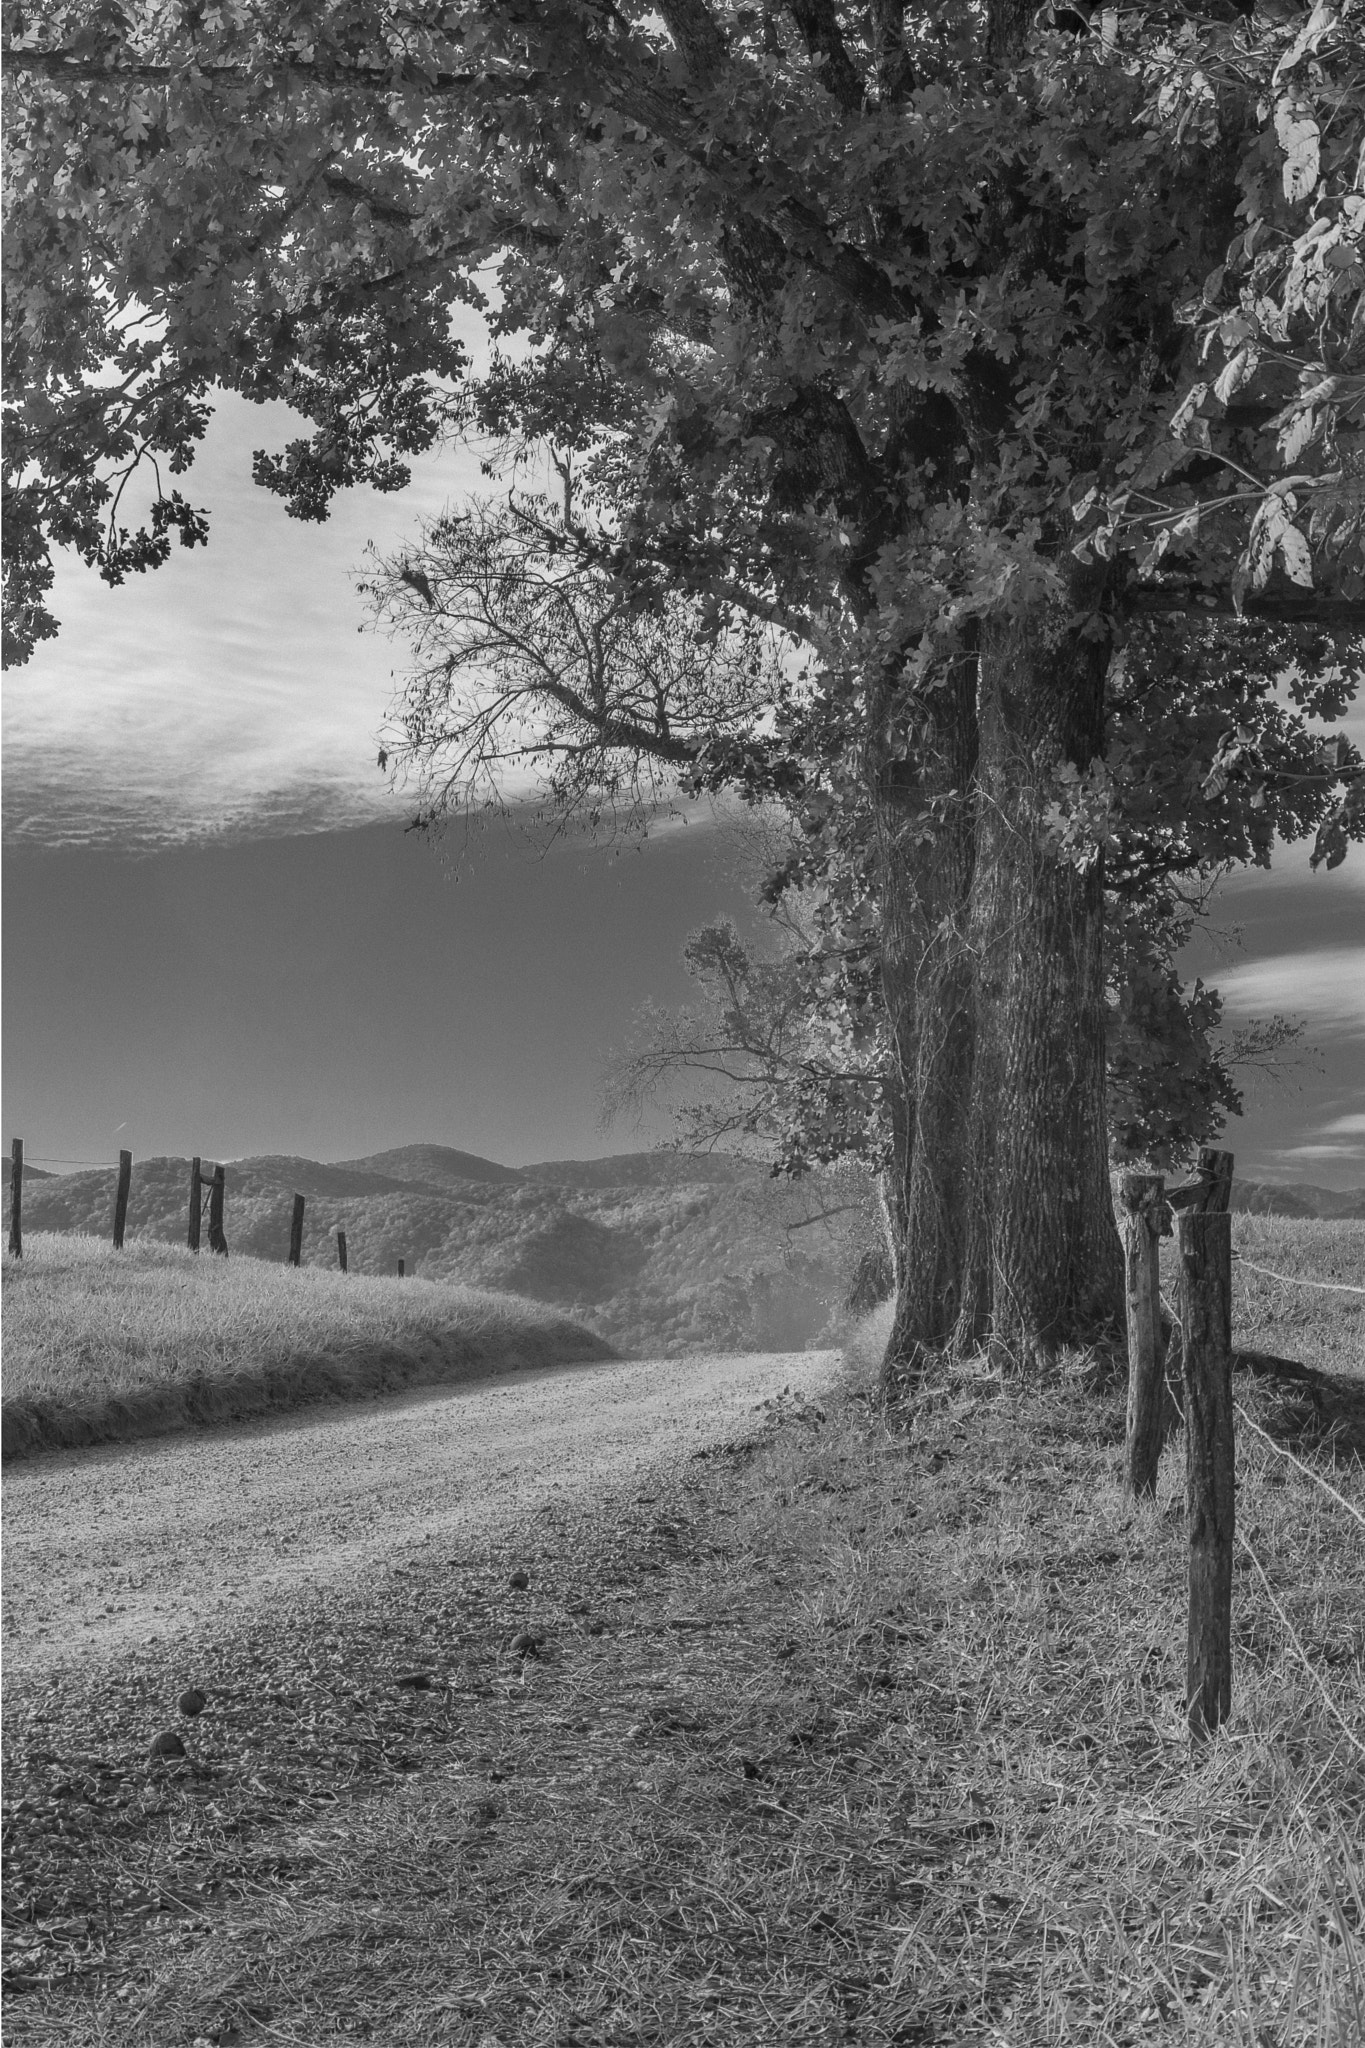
402, 1268
1215, 1170
196, 1203
1142, 1206
1204, 1297
1209, 1193
296, 1232
16, 1198
341, 1250
125, 1181
217, 1241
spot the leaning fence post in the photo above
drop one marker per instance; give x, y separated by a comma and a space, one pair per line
296, 1232
1141, 1202
16, 1198
217, 1241
125, 1179
196, 1203
1204, 1295
341, 1250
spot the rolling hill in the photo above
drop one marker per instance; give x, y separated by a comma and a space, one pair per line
660, 1253
439, 1166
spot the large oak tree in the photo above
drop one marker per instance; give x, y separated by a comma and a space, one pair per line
944, 341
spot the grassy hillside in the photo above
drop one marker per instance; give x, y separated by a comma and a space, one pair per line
102, 1344
659, 1253
1290, 1277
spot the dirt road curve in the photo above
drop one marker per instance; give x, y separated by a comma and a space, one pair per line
115, 1546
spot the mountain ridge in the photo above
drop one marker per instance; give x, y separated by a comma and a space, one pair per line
447, 1167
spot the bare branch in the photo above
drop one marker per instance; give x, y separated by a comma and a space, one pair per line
527, 650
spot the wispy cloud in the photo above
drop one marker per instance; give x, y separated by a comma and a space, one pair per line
1333, 1148
231, 691
143, 812
1346, 1126
1332, 1166
1327, 986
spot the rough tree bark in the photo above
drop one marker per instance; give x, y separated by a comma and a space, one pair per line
994, 982
925, 847
1043, 1265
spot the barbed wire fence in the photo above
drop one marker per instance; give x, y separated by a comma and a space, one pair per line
1297, 1279
1324, 1485
1180, 1359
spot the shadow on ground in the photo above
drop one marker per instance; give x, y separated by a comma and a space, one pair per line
1323, 1410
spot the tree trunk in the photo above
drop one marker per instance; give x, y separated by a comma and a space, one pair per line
1043, 1265
925, 852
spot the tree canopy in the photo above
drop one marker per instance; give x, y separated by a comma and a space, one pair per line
790, 245
947, 342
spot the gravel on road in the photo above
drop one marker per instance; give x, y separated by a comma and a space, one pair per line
121, 1546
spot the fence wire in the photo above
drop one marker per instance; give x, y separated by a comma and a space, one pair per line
41, 1159
1293, 1279
1316, 1477
1333, 1709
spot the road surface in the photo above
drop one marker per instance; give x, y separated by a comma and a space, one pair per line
122, 1544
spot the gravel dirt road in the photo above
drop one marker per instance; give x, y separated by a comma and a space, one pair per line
126, 1544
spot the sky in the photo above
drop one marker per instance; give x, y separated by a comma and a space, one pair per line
1291, 943
337, 993
219, 938
232, 689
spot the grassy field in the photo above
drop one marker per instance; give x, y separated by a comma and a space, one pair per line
868, 1729
1316, 1324
101, 1344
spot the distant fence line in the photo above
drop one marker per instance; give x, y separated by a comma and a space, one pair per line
207, 1193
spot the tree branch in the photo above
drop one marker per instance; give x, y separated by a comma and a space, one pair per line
627, 81
1309, 608
693, 28
61, 66
819, 25
895, 72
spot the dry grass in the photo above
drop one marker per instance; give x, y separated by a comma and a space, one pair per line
101, 1343
868, 1732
